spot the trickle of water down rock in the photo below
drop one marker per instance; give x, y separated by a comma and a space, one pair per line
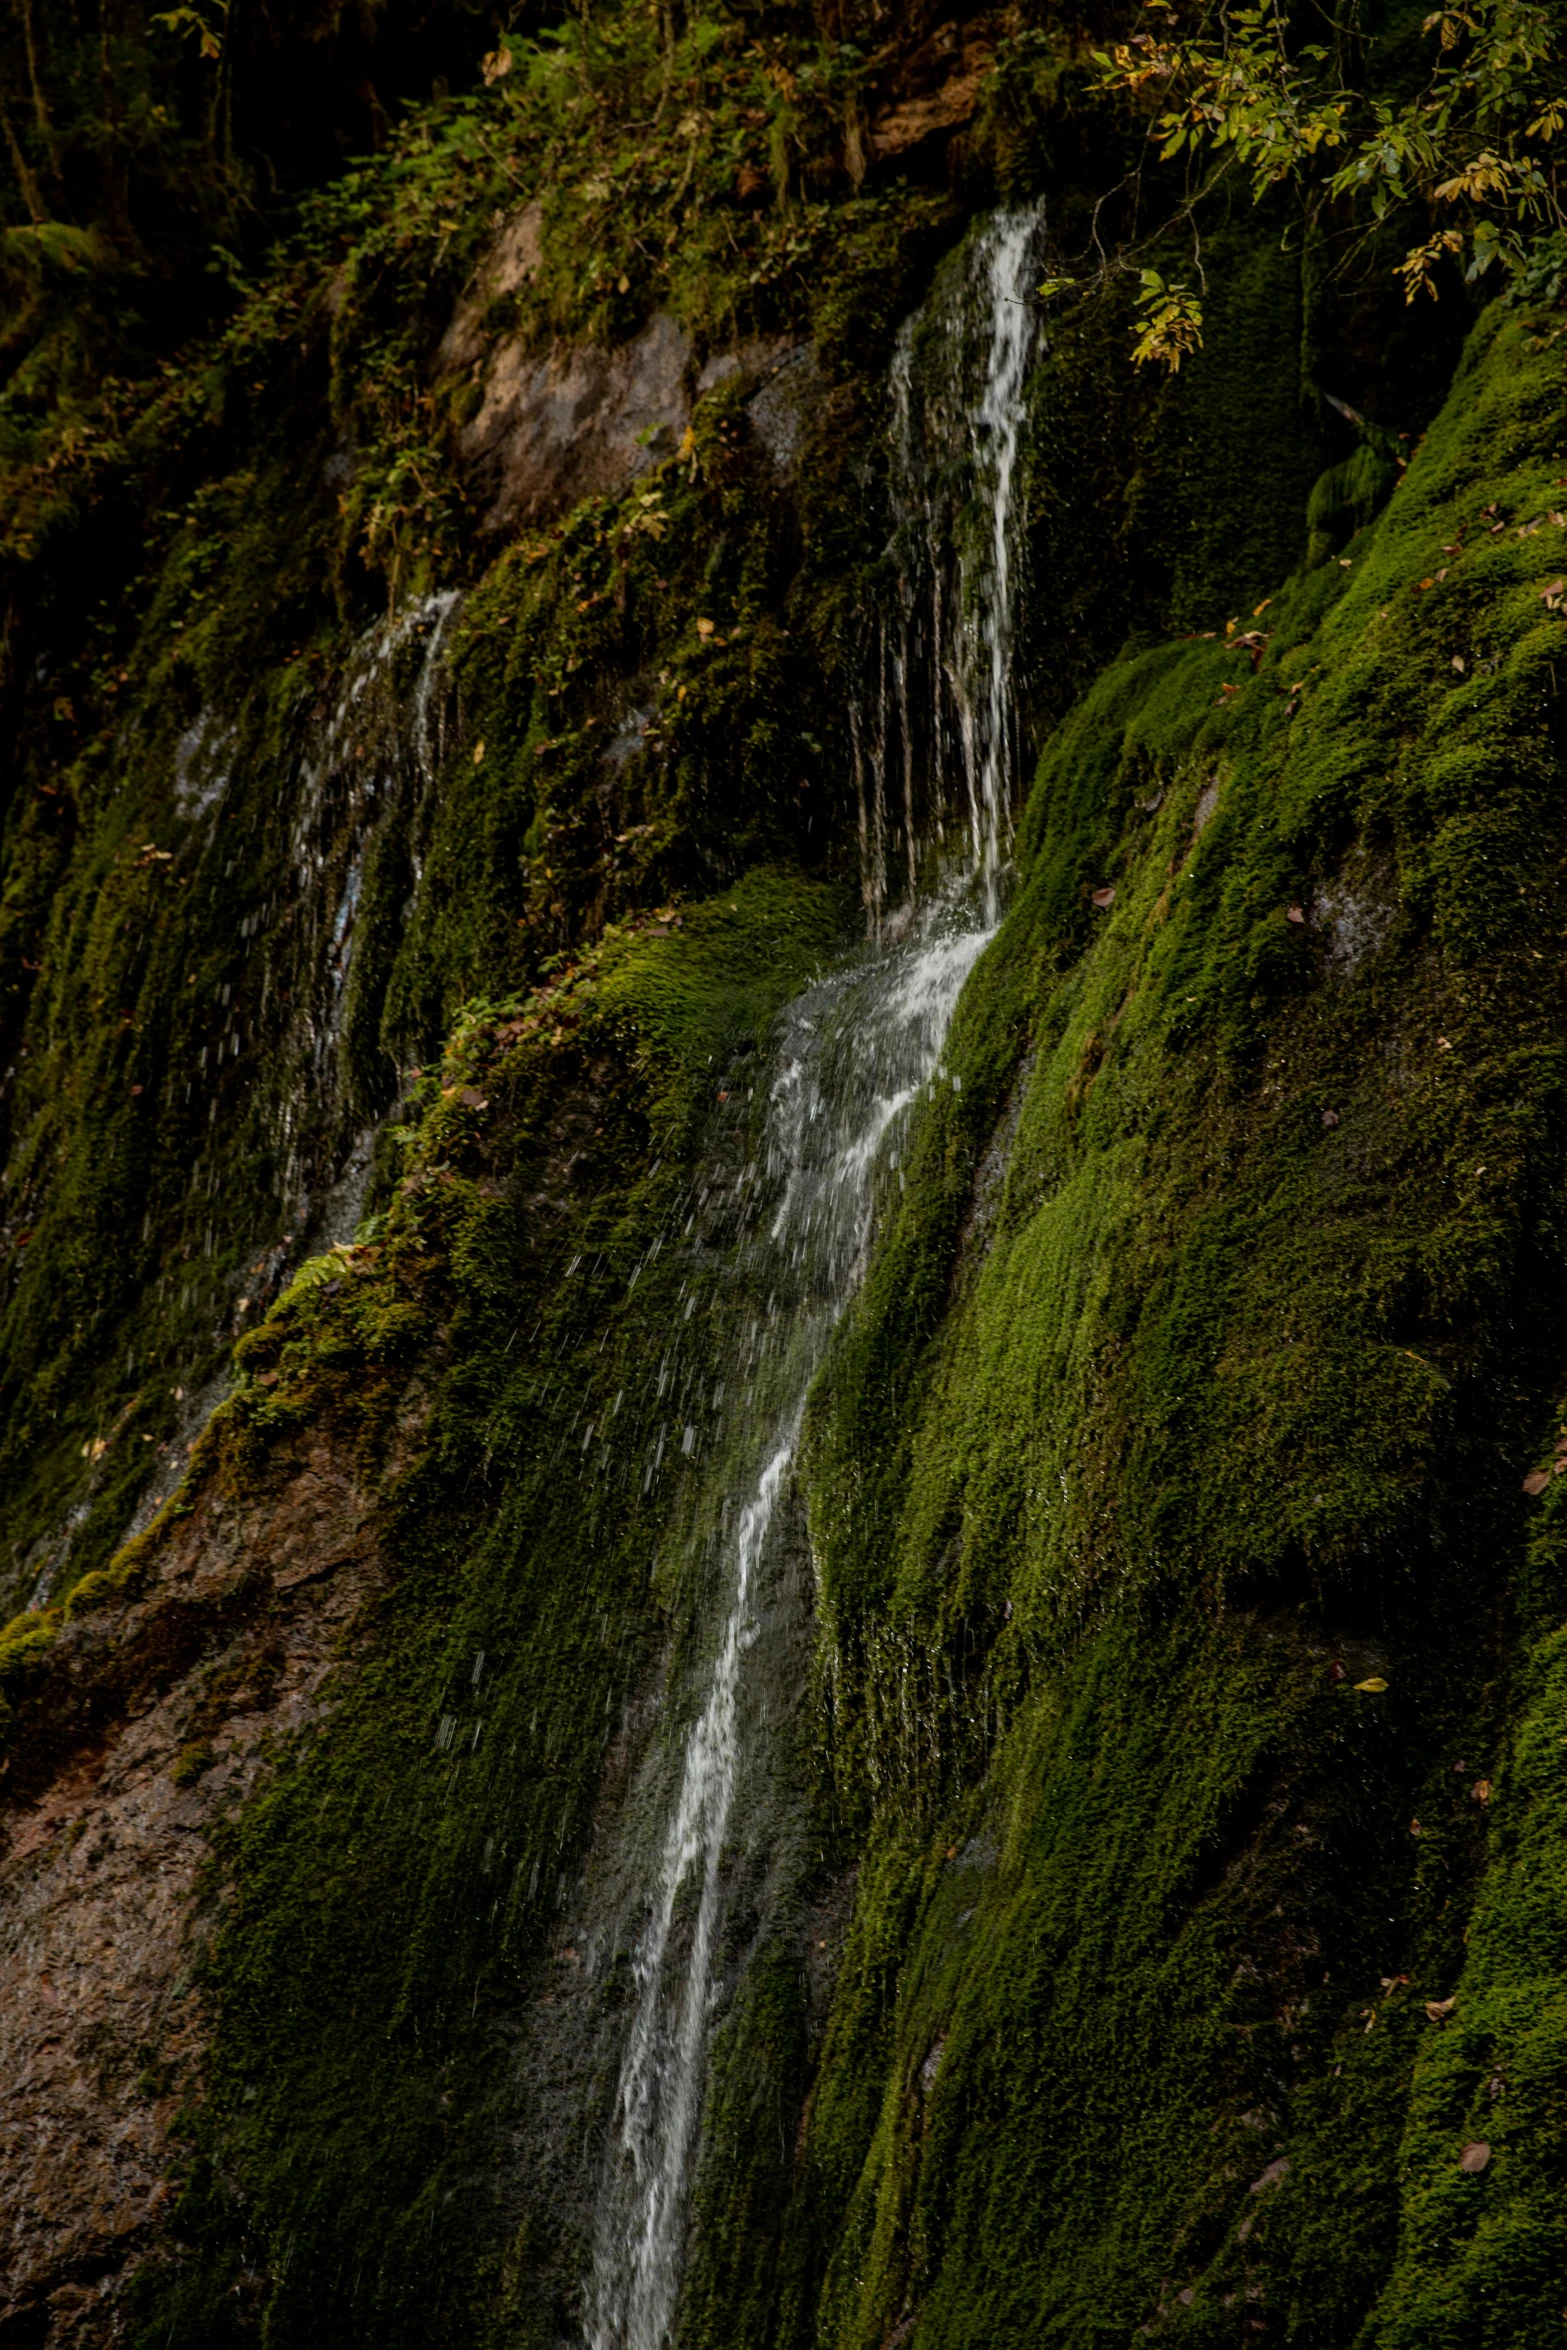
848, 1060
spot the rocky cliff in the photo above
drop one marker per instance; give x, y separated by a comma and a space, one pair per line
784, 1145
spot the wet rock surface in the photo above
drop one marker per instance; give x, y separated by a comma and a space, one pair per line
787, 405
510, 262
161, 1718
935, 90
577, 422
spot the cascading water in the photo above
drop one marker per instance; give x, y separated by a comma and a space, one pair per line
850, 1056
934, 728
368, 755
370, 758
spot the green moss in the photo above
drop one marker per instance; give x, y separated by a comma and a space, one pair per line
1480, 2254
756, 2086
194, 1758
1130, 1463
1076, 1936
23, 1643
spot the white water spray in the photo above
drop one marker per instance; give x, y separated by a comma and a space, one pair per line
375, 749
933, 728
988, 601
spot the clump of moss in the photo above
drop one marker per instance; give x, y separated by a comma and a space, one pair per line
195, 1758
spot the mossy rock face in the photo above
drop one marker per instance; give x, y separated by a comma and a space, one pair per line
253, 862
1146, 1964
1166, 1503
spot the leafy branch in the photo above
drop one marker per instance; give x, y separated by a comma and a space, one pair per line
208, 40
1473, 149
1169, 323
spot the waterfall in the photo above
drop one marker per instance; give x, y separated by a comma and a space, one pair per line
366, 756
933, 727
850, 1056
370, 758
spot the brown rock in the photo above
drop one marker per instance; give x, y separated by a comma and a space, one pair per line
505, 269
936, 88
230, 1645
576, 423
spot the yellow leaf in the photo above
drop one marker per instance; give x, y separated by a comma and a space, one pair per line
1374, 1686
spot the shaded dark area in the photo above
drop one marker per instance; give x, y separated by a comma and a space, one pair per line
164, 131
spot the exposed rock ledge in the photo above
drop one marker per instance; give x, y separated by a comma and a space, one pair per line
581, 421
578, 422
162, 1715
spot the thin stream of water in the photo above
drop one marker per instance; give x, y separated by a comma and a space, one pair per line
850, 1056
934, 737
374, 749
